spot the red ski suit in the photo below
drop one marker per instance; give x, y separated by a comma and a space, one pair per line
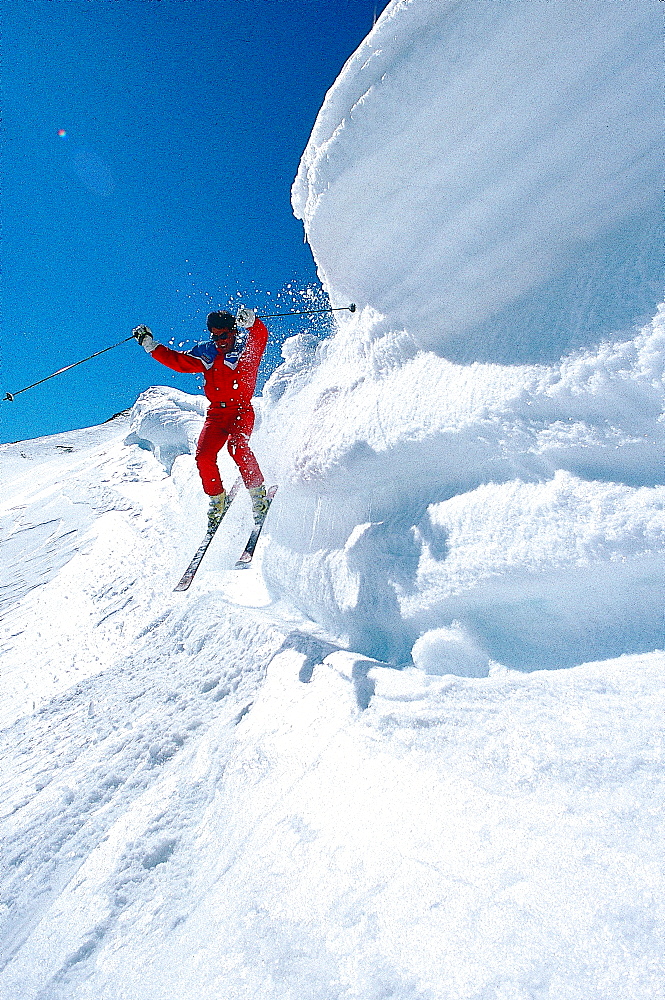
230, 419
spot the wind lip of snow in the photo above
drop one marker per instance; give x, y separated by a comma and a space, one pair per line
502, 264
473, 178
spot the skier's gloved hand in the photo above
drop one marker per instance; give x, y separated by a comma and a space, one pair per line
245, 317
145, 338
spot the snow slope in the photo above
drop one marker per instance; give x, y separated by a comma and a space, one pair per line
210, 797
345, 773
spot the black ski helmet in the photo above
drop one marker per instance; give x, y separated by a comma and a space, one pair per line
221, 321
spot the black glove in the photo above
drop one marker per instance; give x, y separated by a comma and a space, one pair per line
145, 338
245, 317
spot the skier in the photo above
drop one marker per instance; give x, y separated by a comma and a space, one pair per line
230, 363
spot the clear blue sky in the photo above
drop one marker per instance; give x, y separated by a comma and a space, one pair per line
169, 191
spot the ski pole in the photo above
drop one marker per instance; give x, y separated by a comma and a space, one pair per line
10, 395
307, 312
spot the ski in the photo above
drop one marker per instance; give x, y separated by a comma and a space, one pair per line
246, 558
190, 572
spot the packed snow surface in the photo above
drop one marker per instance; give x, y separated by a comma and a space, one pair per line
416, 751
207, 795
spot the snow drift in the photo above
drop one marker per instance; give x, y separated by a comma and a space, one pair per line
205, 795
523, 503
484, 182
488, 175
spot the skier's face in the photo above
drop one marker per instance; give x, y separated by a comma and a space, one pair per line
224, 339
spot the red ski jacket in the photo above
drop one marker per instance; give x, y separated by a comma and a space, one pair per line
228, 379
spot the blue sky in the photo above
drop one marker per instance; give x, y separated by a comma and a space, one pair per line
168, 193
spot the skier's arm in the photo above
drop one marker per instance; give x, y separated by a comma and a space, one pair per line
257, 338
257, 333
177, 361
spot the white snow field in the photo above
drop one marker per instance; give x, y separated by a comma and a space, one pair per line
416, 751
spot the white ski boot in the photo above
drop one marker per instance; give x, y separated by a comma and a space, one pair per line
217, 509
260, 502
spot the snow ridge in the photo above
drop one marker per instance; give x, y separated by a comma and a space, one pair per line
511, 155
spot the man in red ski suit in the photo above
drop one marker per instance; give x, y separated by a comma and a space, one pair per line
230, 363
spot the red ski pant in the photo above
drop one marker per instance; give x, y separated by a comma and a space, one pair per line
231, 426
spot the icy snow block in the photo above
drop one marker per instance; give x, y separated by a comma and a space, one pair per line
449, 651
488, 175
166, 422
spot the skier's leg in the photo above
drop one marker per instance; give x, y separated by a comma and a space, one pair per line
212, 439
251, 475
240, 451
245, 459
